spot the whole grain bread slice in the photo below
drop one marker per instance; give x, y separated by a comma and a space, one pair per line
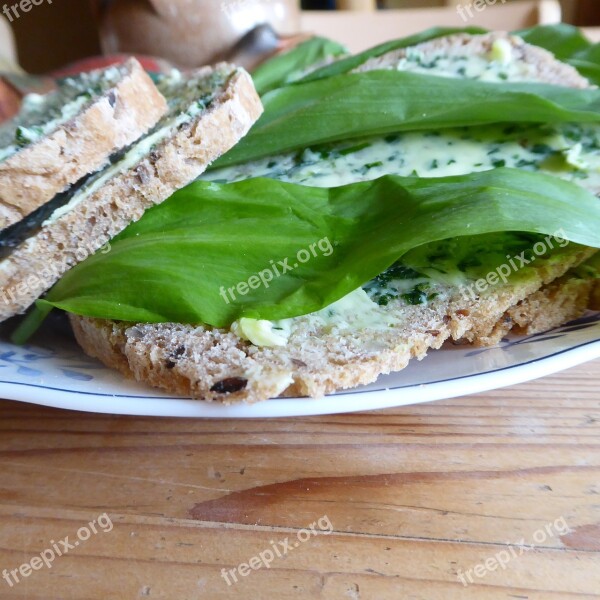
217, 365
224, 104
118, 105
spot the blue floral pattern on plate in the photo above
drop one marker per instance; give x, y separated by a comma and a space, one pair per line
33, 361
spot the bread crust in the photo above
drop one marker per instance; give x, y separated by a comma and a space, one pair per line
35, 174
559, 302
42, 259
550, 307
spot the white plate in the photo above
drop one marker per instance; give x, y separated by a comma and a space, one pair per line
58, 374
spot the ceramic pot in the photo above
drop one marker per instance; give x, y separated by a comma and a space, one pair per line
189, 33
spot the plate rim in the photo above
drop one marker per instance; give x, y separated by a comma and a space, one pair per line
177, 407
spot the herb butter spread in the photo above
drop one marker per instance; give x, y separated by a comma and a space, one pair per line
568, 151
355, 311
499, 65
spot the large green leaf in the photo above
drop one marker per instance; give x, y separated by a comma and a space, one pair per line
562, 40
290, 66
569, 44
587, 62
380, 102
175, 264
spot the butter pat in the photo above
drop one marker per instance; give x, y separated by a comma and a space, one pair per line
501, 51
574, 158
258, 332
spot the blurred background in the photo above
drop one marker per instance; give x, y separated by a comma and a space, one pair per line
190, 32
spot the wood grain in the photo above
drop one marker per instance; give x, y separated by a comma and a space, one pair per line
414, 496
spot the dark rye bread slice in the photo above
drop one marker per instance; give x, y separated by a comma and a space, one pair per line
173, 155
217, 365
113, 108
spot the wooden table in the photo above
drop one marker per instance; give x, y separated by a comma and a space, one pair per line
407, 499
